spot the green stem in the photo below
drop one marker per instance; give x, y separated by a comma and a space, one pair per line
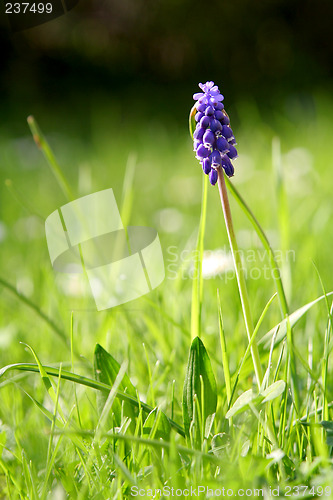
239, 274
48, 153
197, 284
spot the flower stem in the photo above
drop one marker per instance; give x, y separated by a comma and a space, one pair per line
197, 285
239, 273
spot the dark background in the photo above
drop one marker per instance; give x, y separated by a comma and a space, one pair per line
156, 51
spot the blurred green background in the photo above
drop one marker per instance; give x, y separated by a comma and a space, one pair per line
112, 82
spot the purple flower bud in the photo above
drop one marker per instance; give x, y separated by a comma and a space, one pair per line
232, 141
232, 152
198, 133
219, 106
209, 111
215, 158
201, 107
225, 119
202, 152
198, 116
208, 138
215, 125
206, 165
227, 132
222, 144
218, 115
205, 121
213, 177
228, 166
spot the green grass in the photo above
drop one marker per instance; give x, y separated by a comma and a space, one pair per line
88, 435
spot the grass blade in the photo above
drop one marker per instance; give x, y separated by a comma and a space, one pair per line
94, 384
49, 155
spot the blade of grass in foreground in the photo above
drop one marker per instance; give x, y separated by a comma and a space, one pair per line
94, 384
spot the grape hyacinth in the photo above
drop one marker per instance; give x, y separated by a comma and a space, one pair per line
214, 141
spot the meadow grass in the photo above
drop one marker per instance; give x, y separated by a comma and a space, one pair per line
74, 420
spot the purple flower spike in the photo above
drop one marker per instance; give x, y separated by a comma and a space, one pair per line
214, 140
213, 177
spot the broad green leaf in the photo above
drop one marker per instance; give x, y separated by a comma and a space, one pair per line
106, 371
273, 391
157, 425
200, 386
293, 319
